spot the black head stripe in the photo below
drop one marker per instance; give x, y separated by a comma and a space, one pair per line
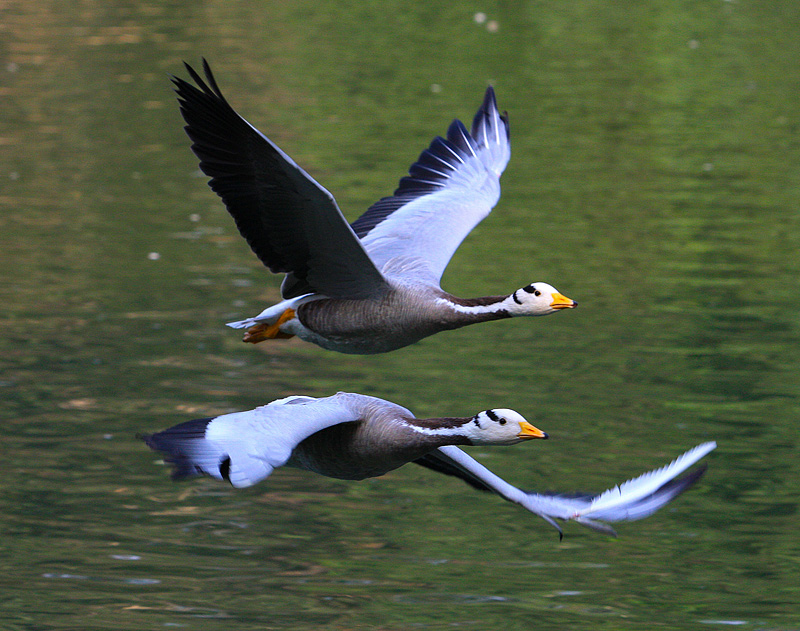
530, 288
514, 296
492, 415
476, 421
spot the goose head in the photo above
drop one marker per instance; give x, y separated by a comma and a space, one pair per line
537, 299
500, 427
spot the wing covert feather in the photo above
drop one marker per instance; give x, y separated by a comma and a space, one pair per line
452, 186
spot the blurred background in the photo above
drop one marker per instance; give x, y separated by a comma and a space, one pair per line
654, 178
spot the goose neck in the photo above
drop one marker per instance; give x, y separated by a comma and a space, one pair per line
440, 431
469, 310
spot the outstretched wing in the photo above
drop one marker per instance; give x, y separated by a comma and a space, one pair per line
635, 499
451, 187
291, 222
245, 447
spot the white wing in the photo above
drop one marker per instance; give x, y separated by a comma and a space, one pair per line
454, 184
635, 499
245, 447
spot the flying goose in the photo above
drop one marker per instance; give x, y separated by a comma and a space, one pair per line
353, 436
373, 286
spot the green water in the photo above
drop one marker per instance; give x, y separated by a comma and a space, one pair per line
654, 178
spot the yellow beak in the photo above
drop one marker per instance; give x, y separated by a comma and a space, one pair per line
562, 302
528, 431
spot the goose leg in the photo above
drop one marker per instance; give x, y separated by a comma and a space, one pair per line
263, 331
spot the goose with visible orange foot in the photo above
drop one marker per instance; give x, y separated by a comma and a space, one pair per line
373, 286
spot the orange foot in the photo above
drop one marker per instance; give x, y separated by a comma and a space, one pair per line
261, 332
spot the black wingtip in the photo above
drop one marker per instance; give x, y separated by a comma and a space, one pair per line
679, 485
489, 99
676, 486
208, 85
486, 111
211, 80
195, 77
175, 443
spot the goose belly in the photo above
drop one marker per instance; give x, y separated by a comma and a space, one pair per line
348, 452
368, 326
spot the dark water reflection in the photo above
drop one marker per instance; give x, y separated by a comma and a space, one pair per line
652, 179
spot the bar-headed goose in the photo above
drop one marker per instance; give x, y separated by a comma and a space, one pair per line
372, 286
353, 436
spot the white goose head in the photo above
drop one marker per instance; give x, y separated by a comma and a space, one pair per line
500, 427
537, 299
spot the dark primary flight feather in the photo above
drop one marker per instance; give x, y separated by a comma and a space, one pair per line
437, 461
291, 222
178, 443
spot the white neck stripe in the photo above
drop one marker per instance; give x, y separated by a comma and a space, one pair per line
492, 308
438, 431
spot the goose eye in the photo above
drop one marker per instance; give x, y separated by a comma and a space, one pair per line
537, 293
502, 421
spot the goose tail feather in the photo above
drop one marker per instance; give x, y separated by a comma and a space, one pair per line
242, 324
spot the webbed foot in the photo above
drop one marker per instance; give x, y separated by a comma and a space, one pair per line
263, 331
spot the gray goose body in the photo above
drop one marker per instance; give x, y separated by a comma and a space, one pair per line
380, 443
405, 315
373, 286
353, 436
